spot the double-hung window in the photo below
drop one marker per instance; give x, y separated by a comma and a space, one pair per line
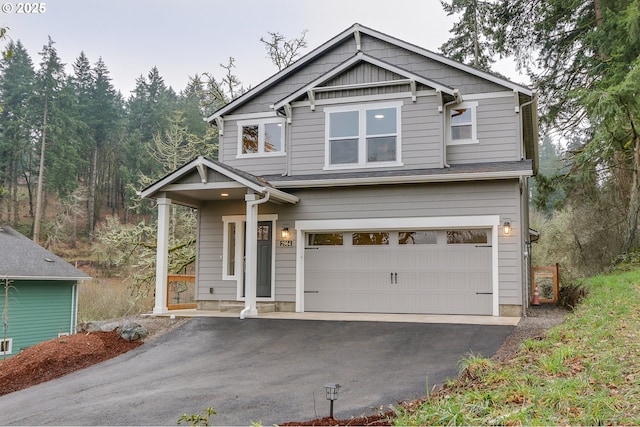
263, 137
363, 136
5, 346
462, 123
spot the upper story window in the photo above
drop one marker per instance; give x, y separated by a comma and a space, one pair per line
262, 137
363, 136
462, 123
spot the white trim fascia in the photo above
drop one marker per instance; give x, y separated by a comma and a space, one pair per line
365, 224
364, 98
361, 57
199, 186
250, 116
487, 95
341, 182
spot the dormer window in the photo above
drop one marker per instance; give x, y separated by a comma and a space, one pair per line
462, 123
264, 137
363, 136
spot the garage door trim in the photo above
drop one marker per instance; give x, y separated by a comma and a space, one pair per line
366, 224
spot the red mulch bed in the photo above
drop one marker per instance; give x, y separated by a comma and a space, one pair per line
59, 356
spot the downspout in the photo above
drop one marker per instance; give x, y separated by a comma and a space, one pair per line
74, 299
251, 245
457, 100
534, 99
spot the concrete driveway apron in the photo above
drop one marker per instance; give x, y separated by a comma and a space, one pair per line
265, 370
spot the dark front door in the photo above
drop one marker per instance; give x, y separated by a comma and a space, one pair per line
265, 252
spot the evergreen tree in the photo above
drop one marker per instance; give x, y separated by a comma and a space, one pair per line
16, 126
584, 58
50, 80
472, 34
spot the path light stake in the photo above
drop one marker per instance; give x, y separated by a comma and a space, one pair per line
332, 394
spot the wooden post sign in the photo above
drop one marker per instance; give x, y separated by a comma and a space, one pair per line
547, 279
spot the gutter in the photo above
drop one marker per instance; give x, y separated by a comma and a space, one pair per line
448, 177
458, 100
251, 246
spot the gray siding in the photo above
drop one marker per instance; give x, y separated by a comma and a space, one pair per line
434, 200
426, 67
497, 131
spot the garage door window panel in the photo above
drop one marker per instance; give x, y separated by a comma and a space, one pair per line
464, 237
370, 239
326, 239
417, 237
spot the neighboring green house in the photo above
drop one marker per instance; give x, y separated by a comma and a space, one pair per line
42, 293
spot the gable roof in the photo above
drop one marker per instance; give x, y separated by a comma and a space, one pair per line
355, 31
23, 259
360, 57
202, 165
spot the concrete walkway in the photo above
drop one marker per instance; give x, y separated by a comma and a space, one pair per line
358, 317
268, 370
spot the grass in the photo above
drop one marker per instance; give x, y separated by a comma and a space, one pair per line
103, 299
585, 371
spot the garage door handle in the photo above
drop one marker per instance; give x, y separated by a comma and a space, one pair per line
311, 292
484, 246
394, 278
484, 293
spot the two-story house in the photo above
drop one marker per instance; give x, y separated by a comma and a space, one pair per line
371, 175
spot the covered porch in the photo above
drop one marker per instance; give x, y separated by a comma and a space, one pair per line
204, 180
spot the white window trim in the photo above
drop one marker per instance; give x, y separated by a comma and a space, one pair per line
364, 224
9, 346
239, 253
362, 137
261, 123
474, 124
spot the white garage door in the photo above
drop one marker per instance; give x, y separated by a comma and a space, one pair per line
426, 271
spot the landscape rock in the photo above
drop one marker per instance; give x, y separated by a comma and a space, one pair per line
132, 331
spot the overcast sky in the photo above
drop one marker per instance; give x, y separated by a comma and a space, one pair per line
187, 37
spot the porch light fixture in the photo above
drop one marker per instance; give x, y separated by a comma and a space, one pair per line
285, 233
506, 228
332, 394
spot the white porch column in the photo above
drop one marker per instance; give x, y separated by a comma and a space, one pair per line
251, 254
162, 255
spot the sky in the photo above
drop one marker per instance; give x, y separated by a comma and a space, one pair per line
187, 37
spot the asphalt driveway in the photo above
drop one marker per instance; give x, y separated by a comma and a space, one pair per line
265, 370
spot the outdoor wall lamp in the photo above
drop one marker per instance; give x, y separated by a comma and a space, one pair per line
285, 233
332, 394
506, 228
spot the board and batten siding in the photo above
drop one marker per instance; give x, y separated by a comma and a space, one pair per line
497, 132
39, 311
383, 201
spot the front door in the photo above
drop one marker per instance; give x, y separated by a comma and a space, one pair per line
265, 251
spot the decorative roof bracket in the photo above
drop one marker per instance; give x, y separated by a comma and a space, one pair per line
516, 98
202, 170
287, 112
414, 95
440, 101
312, 99
220, 124
356, 34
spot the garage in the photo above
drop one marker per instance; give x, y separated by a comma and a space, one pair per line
423, 271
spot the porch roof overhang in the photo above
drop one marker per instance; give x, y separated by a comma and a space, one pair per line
203, 180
